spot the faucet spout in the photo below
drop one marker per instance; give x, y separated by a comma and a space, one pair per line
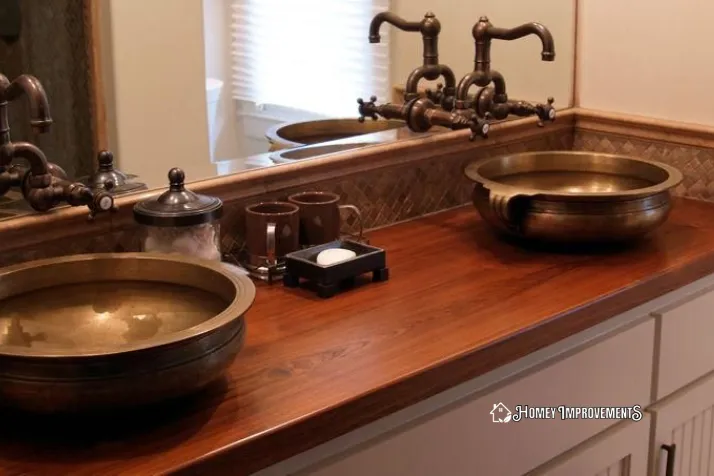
483, 32
31, 87
533, 28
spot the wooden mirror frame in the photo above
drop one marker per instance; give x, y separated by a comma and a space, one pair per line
92, 25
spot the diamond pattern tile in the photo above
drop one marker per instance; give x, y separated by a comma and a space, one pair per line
696, 163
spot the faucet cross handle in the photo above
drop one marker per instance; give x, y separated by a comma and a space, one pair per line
101, 202
545, 112
480, 127
367, 109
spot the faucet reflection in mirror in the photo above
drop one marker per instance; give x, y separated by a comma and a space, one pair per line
43, 184
451, 107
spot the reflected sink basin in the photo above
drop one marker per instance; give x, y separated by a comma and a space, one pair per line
103, 331
296, 134
308, 152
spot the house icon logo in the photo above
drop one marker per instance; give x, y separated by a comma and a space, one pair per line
500, 413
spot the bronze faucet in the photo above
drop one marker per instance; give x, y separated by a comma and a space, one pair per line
431, 70
43, 184
496, 102
421, 114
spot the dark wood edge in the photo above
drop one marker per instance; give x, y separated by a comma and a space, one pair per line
283, 443
69, 222
644, 128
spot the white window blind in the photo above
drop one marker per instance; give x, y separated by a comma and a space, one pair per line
309, 55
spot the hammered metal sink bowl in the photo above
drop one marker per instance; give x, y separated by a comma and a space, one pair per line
308, 152
105, 331
296, 134
573, 197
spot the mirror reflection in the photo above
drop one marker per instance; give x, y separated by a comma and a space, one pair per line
222, 86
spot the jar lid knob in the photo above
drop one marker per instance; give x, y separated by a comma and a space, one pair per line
178, 206
176, 179
106, 160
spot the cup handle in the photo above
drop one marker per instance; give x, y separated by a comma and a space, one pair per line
270, 245
357, 214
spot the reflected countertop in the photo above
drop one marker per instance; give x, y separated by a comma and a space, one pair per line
227, 167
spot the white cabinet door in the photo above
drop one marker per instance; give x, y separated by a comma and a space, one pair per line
684, 430
619, 451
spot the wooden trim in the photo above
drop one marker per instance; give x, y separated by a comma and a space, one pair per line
644, 128
92, 21
68, 222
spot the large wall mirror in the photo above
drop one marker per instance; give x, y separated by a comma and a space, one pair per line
221, 86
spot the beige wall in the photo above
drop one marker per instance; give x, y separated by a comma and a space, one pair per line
527, 77
647, 57
154, 55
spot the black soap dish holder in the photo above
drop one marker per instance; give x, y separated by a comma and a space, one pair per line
330, 278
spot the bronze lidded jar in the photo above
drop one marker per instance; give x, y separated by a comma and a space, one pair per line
180, 221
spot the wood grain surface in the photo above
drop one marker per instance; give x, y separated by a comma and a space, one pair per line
460, 302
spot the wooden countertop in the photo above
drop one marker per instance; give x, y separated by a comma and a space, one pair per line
459, 303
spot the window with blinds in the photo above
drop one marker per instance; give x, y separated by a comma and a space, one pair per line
308, 55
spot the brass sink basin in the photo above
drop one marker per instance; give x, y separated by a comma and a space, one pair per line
573, 197
296, 134
102, 331
308, 152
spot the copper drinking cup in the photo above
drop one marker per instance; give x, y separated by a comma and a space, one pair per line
320, 217
272, 231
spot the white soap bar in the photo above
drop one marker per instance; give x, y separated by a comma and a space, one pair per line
334, 255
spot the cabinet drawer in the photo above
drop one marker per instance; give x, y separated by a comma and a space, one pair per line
463, 439
685, 350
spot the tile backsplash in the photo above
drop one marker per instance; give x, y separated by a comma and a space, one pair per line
695, 163
384, 196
